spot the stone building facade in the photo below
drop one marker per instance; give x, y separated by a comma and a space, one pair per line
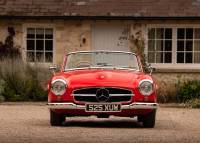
171, 30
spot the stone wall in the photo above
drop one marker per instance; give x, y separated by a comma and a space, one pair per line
69, 33
174, 77
17, 25
69, 38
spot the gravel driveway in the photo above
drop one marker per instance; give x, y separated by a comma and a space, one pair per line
30, 123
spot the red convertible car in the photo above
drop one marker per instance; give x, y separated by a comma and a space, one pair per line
102, 83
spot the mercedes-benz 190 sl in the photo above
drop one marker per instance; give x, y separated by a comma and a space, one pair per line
102, 83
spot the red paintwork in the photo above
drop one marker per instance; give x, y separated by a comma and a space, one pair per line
112, 78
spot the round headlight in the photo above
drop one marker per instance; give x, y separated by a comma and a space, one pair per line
58, 87
146, 87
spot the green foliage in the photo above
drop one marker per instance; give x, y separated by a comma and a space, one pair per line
140, 43
21, 81
2, 84
187, 90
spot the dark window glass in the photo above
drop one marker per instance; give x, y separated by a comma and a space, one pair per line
40, 56
188, 58
48, 57
49, 33
151, 33
189, 33
159, 33
197, 57
196, 45
168, 33
30, 56
197, 33
30, 32
159, 57
151, 45
151, 57
168, 57
189, 45
168, 45
40, 33
180, 46
30, 44
180, 57
49, 45
159, 45
181, 33
40, 45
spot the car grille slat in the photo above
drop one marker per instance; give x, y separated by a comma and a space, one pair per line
115, 94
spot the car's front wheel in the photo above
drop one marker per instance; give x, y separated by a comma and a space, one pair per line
55, 119
149, 119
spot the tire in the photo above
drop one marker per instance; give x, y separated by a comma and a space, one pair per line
149, 119
140, 118
55, 119
63, 119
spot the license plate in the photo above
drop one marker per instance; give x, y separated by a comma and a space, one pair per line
103, 107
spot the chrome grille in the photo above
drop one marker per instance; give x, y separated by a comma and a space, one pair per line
115, 94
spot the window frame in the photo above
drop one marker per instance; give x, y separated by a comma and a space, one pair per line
174, 64
24, 41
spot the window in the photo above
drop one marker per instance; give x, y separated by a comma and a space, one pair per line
188, 45
171, 46
39, 44
160, 45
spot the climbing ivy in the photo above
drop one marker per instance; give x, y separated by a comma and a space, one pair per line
138, 42
8, 49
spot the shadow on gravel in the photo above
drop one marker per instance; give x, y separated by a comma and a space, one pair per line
103, 124
160, 124
88, 123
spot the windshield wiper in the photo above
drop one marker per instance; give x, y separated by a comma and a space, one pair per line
103, 64
127, 67
81, 68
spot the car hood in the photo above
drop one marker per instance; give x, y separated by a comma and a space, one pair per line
118, 76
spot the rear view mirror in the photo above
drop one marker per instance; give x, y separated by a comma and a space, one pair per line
151, 69
53, 69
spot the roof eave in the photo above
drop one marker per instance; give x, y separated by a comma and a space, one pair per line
99, 18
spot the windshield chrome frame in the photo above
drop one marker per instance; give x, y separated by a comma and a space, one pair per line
114, 68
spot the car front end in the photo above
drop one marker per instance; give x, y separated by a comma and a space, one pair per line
107, 89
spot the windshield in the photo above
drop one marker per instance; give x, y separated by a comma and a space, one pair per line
118, 60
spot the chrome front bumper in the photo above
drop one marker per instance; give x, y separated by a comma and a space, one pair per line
72, 106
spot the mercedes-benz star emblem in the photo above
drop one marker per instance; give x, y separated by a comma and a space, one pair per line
102, 95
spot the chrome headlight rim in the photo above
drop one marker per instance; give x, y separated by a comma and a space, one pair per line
146, 80
59, 80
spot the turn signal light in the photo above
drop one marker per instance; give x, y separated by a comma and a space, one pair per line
58, 98
146, 98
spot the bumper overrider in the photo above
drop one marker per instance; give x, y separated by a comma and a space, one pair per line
73, 106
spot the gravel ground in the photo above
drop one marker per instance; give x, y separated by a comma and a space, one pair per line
30, 123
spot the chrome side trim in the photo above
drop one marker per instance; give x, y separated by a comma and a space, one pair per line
59, 80
121, 94
69, 106
111, 95
72, 106
145, 80
139, 105
106, 68
83, 95
102, 87
103, 51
